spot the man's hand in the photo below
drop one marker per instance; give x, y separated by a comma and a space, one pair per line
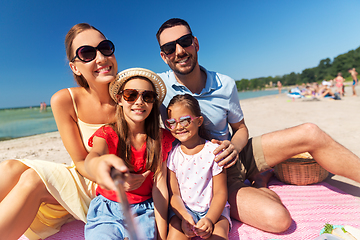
226, 153
204, 228
134, 181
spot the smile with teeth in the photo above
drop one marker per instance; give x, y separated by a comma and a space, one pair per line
183, 60
105, 69
138, 110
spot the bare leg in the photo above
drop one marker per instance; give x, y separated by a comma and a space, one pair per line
175, 231
21, 204
221, 229
10, 172
353, 88
260, 208
281, 145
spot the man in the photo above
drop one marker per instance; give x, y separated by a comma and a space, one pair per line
354, 74
245, 159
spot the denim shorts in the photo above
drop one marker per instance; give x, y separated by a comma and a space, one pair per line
199, 215
105, 220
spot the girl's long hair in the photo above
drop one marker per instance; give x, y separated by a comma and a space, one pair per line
192, 104
152, 130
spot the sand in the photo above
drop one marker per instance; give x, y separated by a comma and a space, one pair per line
339, 118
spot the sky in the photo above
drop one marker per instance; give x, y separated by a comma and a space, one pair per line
242, 39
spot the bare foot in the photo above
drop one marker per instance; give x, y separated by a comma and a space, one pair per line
262, 179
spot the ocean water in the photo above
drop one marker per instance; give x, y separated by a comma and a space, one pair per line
21, 122
262, 93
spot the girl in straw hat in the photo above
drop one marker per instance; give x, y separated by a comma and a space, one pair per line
37, 197
136, 139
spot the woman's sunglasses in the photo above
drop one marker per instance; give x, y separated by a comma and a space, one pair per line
88, 53
131, 95
184, 121
184, 41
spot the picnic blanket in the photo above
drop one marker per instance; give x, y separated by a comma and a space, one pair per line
310, 206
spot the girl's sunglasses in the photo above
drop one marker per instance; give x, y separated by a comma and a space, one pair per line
184, 41
131, 95
88, 53
184, 121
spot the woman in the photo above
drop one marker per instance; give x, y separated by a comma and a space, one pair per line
38, 197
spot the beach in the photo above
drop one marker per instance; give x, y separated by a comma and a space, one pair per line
338, 118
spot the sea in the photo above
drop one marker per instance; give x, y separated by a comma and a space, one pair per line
27, 121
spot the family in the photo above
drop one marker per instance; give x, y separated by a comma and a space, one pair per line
183, 181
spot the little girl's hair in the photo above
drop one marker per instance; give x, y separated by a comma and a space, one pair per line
152, 130
192, 104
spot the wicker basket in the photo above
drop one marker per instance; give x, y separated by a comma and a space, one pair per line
301, 169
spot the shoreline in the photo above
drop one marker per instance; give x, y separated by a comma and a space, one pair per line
338, 118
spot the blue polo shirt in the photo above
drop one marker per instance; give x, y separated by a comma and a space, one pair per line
219, 101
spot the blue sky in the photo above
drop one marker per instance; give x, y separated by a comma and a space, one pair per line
243, 39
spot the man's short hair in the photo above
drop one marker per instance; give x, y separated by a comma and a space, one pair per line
171, 23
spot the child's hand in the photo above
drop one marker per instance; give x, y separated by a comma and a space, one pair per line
204, 228
103, 169
134, 181
188, 226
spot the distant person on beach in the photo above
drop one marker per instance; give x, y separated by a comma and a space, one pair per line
244, 158
354, 74
339, 83
198, 197
38, 197
137, 139
279, 85
42, 106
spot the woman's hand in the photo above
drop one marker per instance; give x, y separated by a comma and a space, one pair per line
204, 228
226, 153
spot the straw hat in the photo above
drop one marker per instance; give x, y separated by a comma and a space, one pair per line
121, 78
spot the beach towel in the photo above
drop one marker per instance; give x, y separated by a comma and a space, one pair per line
310, 206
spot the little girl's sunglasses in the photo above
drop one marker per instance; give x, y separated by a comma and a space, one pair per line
184, 41
184, 121
131, 95
88, 53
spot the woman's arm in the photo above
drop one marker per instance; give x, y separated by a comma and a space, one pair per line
66, 121
205, 226
228, 151
160, 196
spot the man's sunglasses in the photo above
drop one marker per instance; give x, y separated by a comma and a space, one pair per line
88, 53
184, 121
184, 41
131, 95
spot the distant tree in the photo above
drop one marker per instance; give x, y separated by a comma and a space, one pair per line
326, 69
308, 75
323, 69
242, 85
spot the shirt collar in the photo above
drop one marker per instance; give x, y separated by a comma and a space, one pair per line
210, 85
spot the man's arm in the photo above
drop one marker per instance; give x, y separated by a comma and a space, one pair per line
228, 151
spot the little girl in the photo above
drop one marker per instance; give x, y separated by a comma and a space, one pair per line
136, 139
197, 185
